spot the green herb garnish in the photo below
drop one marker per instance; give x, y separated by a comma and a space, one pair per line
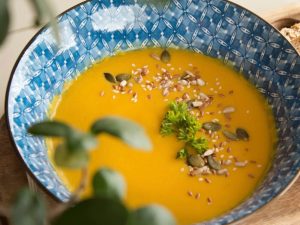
180, 122
199, 144
182, 154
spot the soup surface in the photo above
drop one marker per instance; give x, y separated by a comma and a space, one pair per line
157, 176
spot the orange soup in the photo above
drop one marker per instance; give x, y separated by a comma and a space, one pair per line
236, 122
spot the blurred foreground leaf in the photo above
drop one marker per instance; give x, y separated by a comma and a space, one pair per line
108, 183
50, 128
28, 209
128, 131
95, 211
81, 141
73, 159
44, 11
151, 215
4, 20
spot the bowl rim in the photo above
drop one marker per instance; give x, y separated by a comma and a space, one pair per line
49, 193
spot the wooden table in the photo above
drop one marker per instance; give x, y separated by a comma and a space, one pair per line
285, 210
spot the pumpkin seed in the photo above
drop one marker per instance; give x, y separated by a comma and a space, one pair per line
213, 163
196, 161
242, 134
123, 76
165, 56
109, 77
211, 126
230, 135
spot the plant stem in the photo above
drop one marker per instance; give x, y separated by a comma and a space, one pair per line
74, 197
82, 185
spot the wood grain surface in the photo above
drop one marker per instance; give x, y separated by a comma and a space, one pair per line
285, 210
13, 174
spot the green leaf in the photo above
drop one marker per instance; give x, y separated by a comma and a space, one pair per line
44, 10
81, 141
199, 144
73, 159
130, 132
28, 209
151, 215
50, 128
95, 211
182, 154
108, 183
4, 20
179, 121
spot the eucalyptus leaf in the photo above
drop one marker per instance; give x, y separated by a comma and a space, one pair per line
128, 131
151, 215
73, 159
81, 141
4, 20
50, 128
95, 211
108, 183
28, 209
44, 11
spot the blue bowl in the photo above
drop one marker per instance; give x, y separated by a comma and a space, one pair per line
98, 28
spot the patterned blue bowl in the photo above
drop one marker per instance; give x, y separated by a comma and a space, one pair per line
98, 28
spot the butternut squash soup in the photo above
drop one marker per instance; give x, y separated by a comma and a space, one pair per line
212, 132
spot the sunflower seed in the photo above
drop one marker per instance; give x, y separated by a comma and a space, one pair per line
197, 104
228, 109
154, 56
201, 171
200, 82
223, 172
123, 83
209, 200
240, 164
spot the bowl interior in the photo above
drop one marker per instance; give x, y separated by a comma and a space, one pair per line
97, 29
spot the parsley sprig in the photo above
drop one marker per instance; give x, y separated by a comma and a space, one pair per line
179, 121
